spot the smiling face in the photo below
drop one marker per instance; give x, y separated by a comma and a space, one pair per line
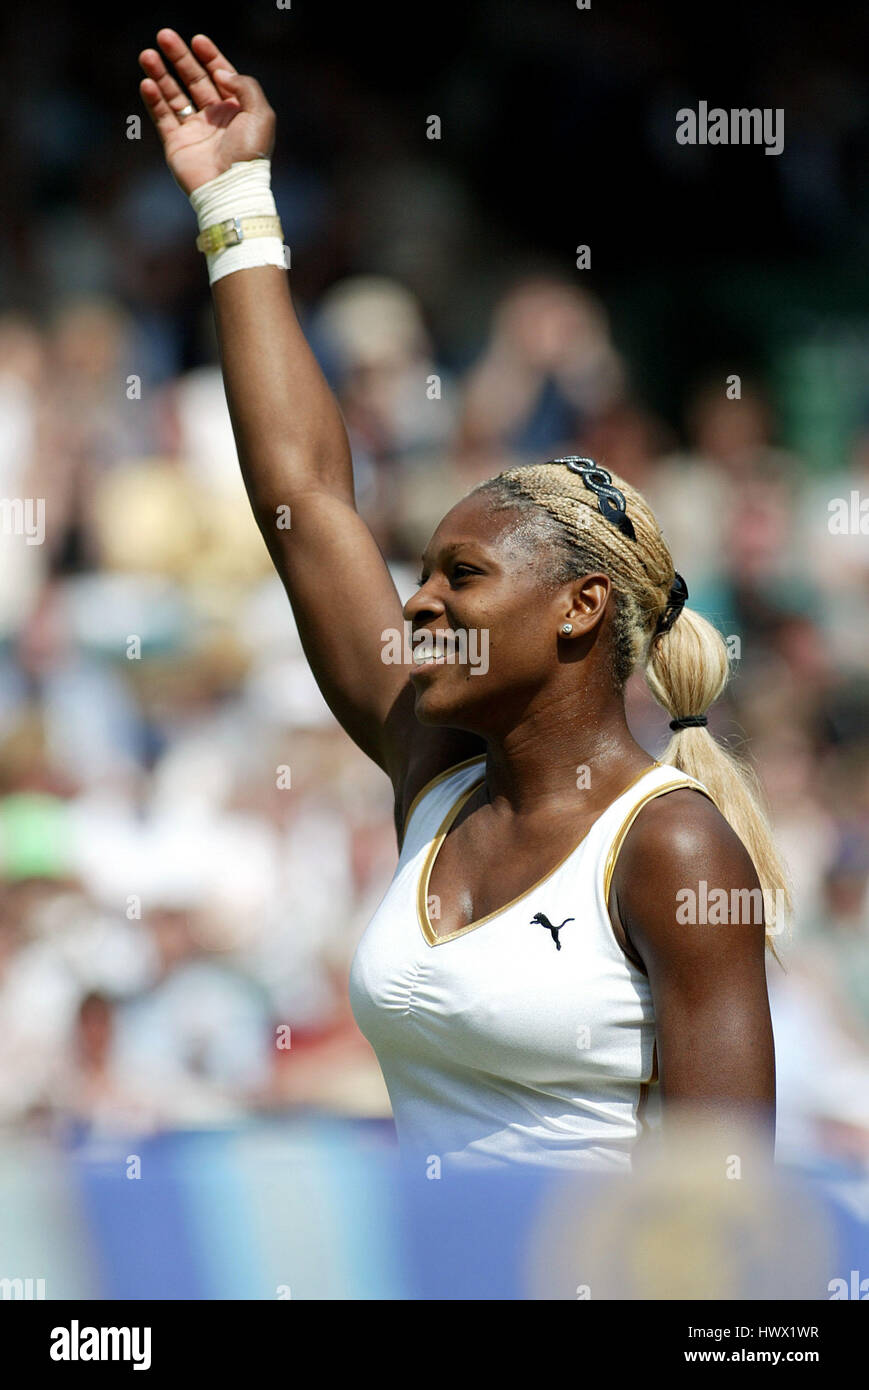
486, 591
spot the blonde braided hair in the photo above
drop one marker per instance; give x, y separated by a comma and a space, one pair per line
686, 667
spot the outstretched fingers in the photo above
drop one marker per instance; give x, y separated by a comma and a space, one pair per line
208, 53
159, 110
194, 76
174, 96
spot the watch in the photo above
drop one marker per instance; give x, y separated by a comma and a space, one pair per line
235, 230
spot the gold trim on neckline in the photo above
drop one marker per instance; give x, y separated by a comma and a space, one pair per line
429, 786
429, 935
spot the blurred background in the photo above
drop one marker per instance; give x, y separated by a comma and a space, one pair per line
190, 846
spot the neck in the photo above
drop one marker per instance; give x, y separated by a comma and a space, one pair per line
546, 761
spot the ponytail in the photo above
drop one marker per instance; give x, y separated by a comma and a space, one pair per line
687, 669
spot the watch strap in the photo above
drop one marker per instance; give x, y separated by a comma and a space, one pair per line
236, 230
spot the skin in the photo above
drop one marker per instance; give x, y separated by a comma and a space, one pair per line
547, 704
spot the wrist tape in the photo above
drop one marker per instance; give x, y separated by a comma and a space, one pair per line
244, 190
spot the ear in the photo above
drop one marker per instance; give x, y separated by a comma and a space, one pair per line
587, 601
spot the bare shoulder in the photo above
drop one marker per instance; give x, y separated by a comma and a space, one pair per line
680, 850
677, 830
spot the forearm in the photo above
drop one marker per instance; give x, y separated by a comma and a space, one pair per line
287, 423
218, 139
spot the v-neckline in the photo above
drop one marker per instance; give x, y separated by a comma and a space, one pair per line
429, 934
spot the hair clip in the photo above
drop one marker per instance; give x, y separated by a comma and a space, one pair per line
610, 501
675, 603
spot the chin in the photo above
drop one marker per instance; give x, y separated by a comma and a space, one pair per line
431, 710
436, 703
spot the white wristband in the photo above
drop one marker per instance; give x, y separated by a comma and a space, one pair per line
244, 190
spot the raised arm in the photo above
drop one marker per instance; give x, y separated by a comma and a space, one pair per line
291, 439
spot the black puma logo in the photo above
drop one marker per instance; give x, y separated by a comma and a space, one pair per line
540, 919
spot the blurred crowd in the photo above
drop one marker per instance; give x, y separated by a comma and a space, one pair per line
190, 846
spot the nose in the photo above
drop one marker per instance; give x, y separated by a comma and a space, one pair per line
422, 605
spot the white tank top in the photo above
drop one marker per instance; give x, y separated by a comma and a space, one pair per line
496, 1044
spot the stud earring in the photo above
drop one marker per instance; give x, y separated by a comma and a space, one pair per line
567, 628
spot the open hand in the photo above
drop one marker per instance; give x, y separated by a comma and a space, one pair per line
231, 119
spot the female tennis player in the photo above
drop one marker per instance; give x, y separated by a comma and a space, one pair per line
572, 928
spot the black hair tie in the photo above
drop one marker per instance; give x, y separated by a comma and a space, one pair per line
610, 499
690, 721
675, 603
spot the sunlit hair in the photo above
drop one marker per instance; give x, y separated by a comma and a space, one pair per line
686, 668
